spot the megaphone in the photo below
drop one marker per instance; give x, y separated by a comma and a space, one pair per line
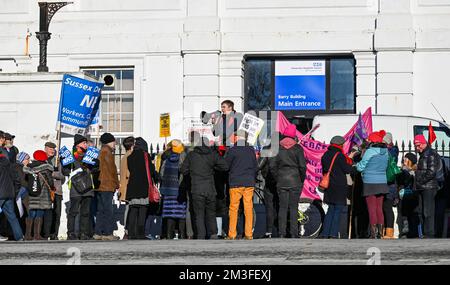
205, 117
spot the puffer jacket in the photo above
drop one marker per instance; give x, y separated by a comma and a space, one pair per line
43, 201
427, 167
289, 167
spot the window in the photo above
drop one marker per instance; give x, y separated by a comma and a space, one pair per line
117, 99
116, 108
329, 81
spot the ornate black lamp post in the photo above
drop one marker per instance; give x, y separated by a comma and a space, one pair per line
47, 10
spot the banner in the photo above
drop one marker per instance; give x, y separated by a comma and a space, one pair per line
95, 125
66, 156
78, 105
253, 126
300, 85
314, 151
91, 154
164, 125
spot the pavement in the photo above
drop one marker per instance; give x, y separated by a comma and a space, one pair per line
223, 252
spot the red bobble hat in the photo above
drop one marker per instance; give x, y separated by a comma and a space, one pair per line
377, 137
40, 155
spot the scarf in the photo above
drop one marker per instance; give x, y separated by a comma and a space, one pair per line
347, 159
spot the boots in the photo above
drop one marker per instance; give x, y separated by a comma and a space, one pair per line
373, 231
389, 233
29, 226
380, 231
37, 229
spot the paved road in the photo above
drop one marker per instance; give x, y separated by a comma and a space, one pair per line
221, 252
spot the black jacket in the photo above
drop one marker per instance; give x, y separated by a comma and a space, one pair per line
9, 180
243, 166
289, 167
138, 182
427, 168
338, 189
200, 165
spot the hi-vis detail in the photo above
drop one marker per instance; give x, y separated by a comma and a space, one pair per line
80, 100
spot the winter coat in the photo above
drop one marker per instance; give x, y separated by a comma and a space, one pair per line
265, 166
170, 174
58, 176
124, 176
108, 178
337, 191
243, 166
200, 164
373, 165
43, 201
70, 168
289, 167
231, 122
138, 183
9, 180
427, 167
18, 168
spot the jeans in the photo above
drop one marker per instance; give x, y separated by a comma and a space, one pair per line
34, 214
289, 198
332, 221
82, 206
427, 210
205, 213
7, 207
104, 224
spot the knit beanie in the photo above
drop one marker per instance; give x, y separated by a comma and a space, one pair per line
22, 156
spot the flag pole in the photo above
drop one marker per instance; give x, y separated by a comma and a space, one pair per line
58, 143
351, 210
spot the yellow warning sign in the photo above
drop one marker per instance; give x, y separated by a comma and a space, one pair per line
164, 125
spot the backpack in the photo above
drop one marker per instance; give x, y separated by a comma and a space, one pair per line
34, 185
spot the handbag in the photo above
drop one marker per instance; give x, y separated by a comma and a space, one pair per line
325, 181
51, 190
153, 192
392, 170
82, 182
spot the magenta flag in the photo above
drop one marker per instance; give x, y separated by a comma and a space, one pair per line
367, 121
314, 151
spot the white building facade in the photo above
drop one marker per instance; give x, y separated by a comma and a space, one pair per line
185, 56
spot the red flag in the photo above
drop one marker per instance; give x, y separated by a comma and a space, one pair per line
431, 134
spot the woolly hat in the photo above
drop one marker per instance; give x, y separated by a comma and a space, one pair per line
290, 131
77, 139
338, 140
412, 157
40, 155
377, 137
22, 156
107, 138
177, 146
388, 138
420, 139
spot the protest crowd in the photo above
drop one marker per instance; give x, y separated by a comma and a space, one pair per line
197, 187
